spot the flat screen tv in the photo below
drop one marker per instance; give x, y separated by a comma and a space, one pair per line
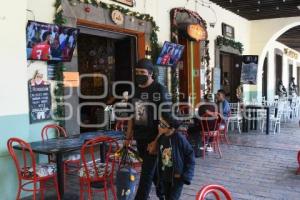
170, 54
50, 42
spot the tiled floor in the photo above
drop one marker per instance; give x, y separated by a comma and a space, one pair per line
254, 166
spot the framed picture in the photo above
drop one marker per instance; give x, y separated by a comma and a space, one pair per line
227, 31
126, 2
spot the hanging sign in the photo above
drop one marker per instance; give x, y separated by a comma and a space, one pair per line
196, 32
39, 103
71, 79
117, 17
126, 2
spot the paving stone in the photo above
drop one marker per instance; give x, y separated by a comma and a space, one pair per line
254, 166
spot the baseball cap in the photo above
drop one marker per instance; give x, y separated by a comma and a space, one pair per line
145, 64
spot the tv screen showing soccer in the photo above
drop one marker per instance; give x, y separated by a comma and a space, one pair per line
50, 42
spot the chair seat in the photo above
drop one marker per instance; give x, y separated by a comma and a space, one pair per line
92, 173
235, 117
42, 170
72, 156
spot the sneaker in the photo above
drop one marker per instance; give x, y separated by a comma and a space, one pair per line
209, 149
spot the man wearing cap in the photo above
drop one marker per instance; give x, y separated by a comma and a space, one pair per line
149, 94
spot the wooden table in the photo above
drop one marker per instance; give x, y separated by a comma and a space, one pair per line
251, 111
61, 146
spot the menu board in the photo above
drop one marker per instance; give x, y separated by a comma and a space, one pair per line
39, 103
249, 69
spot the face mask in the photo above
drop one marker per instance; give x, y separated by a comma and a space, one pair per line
141, 79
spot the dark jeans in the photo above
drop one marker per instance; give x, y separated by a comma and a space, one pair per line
173, 191
149, 172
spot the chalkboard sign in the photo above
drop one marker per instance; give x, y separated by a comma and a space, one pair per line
216, 78
39, 103
249, 69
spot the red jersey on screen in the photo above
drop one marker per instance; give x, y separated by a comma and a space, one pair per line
166, 59
41, 51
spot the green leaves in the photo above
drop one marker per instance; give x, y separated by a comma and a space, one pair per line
228, 42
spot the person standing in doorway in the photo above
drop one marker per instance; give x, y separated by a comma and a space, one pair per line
148, 96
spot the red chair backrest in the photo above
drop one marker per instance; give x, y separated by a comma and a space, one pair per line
25, 161
299, 158
210, 123
216, 190
61, 132
185, 109
89, 157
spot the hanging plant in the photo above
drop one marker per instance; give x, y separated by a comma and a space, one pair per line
223, 41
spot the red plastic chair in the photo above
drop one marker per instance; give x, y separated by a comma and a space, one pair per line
70, 165
215, 190
210, 130
27, 170
298, 171
93, 171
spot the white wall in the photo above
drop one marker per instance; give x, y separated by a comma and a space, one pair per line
13, 83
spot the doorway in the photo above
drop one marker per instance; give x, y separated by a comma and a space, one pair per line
265, 79
231, 65
290, 71
278, 74
102, 54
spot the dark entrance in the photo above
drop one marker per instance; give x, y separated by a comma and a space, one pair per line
230, 74
278, 75
102, 54
290, 71
265, 79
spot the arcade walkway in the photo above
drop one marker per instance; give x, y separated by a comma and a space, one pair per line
254, 167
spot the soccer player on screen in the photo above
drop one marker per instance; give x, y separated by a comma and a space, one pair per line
41, 51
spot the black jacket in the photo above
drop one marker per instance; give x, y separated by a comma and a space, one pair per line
183, 157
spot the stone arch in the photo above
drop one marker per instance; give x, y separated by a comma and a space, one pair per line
265, 51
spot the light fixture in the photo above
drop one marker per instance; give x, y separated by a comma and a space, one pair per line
238, 10
298, 7
257, 10
258, 2
230, 1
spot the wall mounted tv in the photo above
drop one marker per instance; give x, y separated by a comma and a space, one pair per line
170, 54
48, 42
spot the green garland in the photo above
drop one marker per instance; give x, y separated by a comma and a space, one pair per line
59, 19
59, 111
223, 41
